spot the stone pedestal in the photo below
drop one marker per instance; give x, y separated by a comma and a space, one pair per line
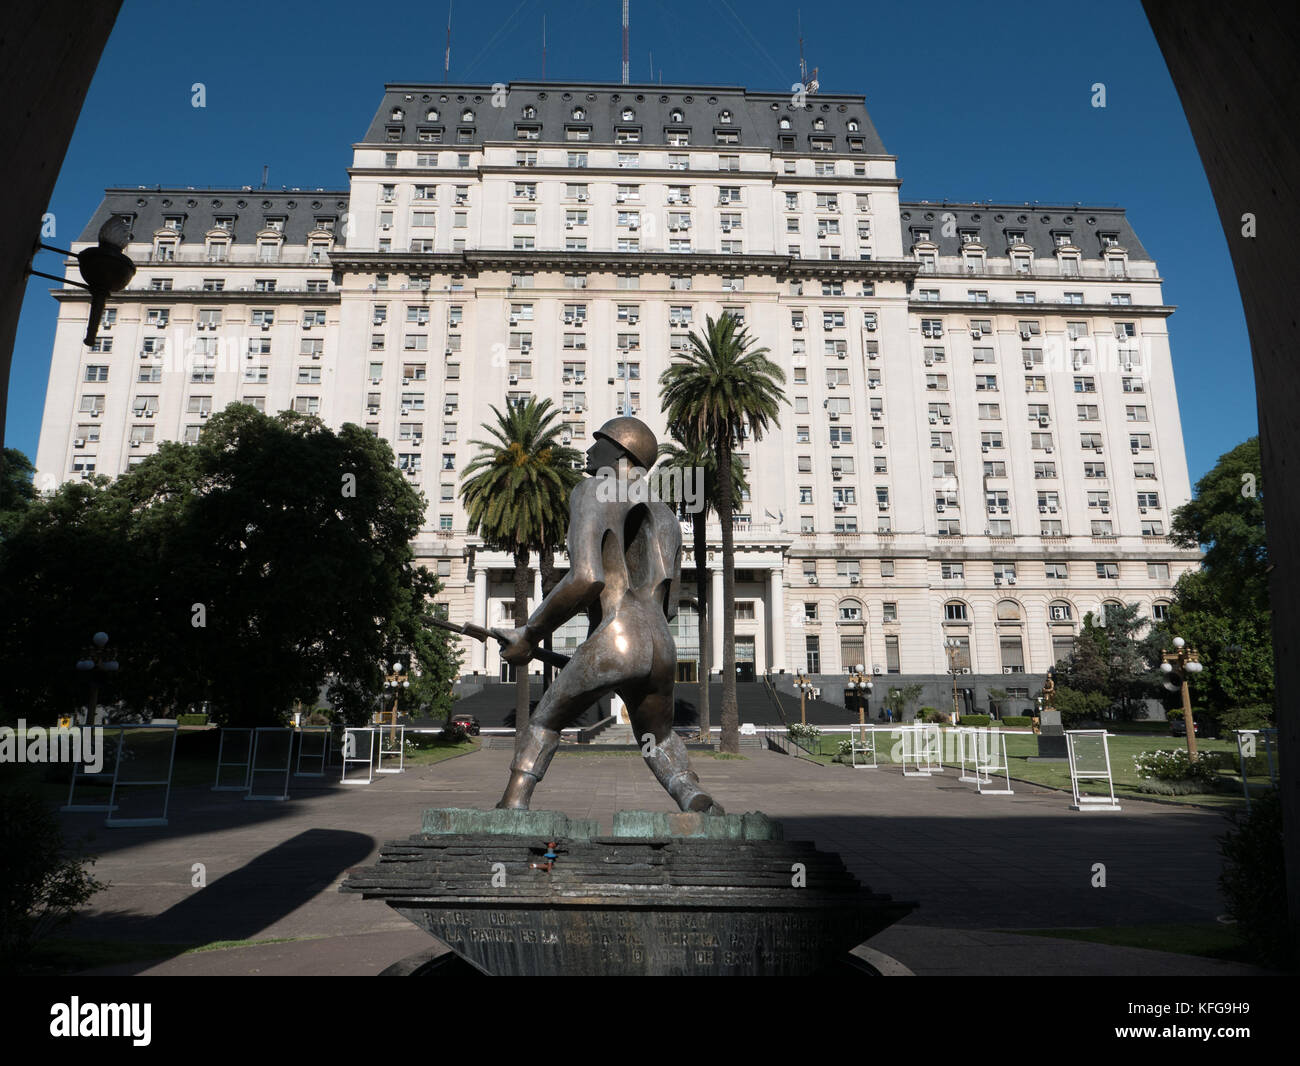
1051, 738
663, 894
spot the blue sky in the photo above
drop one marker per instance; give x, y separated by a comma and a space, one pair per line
978, 102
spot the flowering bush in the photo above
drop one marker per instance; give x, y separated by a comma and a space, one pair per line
803, 731
1174, 765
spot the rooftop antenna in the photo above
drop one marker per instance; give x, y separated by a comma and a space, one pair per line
625, 64
266, 170
803, 67
543, 46
446, 59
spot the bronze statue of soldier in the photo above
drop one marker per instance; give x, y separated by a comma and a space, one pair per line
625, 571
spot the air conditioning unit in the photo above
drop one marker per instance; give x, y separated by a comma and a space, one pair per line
947, 420
1042, 508
1101, 451
830, 384
984, 448
150, 413
837, 475
1134, 448
565, 438
1047, 451
835, 444
947, 447
940, 507
448, 410
977, 334
877, 415
871, 325
834, 416
582, 197
880, 444
514, 320
1052, 509
1043, 420
854, 579
1105, 510
997, 580
514, 379
1025, 334
1142, 510
934, 420
373, 410
839, 505
406, 410
202, 414
965, 669
812, 579
1003, 510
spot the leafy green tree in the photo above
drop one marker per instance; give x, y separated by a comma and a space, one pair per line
516, 494
690, 457
903, 698
1077, 706
1223, 608
1115, 657
722, 391
17, 490
242, 570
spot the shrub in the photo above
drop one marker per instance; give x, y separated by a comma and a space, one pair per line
974, 721
802, 730
454, 733
41, 884
1016, 721
1254, 880
845, 747
1176, 765
1255, 716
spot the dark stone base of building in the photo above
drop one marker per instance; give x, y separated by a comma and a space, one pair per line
533, 893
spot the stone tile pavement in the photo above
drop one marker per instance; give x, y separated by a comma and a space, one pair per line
975, 864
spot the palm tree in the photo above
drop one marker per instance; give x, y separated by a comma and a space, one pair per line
516, 493
715, 391
688, 458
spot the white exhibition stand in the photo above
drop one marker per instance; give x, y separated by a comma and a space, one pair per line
358, 749
990, 758
314, 747
237, 756
271, 763
1248, 747
80, 773
1090, 761
127, 761
862, 741
922, 750
388, 736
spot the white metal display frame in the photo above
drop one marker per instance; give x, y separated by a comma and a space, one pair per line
254, 770
966, 754
862, 741
80, 808
399, 751
222, 764
925, 750
1083, 802
166, 783
369, 759
988, 744
1270, 738
323, 755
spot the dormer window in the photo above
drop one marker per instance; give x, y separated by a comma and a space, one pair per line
174, 222
853, 125
530, 111
1062, 238
724, 117
1015, 236
275, 222
920, 235
579, 114
628, 114
969, 236
467, 115
784, 123
1109, 240
398, 114
676, 116
432, 115
819, 123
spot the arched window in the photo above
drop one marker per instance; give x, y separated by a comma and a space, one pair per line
676, 116
1009, 611
1060, 611
628, 114
432, 114
955, 611
1160, 612
850, 610
398, 114
784, 123
853, 125
579, 113
724, 117
819, 123
530, 111
467, 115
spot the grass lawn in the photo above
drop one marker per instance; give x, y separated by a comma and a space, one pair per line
1123, 747
438, 752
1209, 940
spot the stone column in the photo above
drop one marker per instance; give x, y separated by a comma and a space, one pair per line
776, 649
479, 656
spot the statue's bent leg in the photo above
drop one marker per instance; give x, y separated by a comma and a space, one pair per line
580, 684
667, 759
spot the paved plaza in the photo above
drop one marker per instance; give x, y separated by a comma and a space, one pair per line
975, 864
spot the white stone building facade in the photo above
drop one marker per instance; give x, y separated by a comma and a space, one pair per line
982, 441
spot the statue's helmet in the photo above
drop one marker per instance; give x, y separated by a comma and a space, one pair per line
634, 437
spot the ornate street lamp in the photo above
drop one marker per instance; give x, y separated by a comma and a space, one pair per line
804, 686
105, 267
953, 647
99, 660
859, 685
396, 684
1181, 662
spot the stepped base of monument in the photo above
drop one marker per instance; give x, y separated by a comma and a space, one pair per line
663, 894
